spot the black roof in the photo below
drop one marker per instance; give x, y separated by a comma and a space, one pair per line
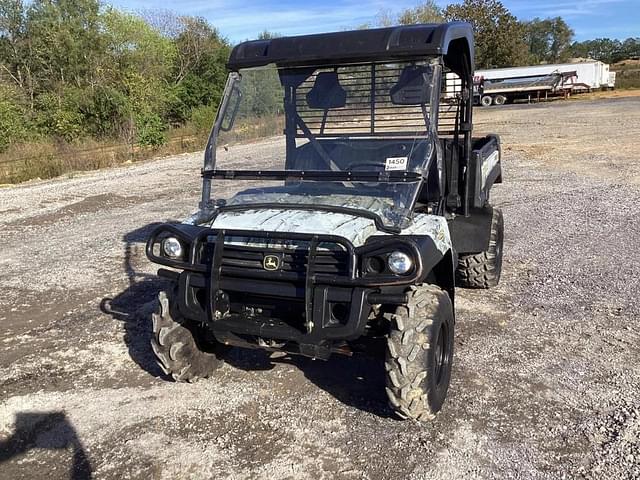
453, 40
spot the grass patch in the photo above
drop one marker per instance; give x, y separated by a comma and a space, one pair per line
47, 159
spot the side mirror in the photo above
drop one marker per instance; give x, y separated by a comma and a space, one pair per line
231, 110
327, 92
413, 86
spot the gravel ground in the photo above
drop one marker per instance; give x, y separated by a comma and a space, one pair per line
546, 380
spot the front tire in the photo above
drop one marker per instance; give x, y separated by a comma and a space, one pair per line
420, 353
181, 347
483, 269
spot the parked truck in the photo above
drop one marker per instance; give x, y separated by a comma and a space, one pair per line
501, 85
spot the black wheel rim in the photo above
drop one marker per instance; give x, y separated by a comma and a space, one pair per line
441, 356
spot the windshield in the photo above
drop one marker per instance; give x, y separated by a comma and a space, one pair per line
356, 137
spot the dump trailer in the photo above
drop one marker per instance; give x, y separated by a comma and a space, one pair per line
501, 91
501, 85
352, 231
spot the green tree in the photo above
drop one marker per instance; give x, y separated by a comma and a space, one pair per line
52, 50
199, 71
139, 79
15, 67
64, 42
603, 49
499, 37
549, 39
107, 112
631, 47
133, 46
14, 120
58, 114
267, 35
427, 12
195, 42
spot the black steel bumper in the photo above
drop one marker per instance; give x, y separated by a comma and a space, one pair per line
332, 307
250, 328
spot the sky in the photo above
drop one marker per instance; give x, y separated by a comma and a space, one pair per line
240, 20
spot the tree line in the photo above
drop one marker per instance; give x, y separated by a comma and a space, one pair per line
75, 69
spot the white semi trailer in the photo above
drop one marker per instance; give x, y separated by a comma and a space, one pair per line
500, 85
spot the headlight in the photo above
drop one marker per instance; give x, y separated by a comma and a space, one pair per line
172, 247
399, 263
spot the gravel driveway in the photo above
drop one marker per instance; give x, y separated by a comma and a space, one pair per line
546, 380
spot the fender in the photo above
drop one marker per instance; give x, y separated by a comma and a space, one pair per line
471, 234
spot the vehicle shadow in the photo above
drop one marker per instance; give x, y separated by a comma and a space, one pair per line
46, 430
134, 305
357, 381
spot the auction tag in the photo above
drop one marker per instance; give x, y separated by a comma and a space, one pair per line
396, 163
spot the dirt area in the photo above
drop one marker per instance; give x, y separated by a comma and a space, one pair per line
546, 380
590, 138
605, 94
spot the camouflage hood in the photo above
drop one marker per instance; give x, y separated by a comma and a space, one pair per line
354, 228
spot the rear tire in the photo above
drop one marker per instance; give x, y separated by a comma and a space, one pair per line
483, 269
486, 101
420, 353
499, 100
180, 346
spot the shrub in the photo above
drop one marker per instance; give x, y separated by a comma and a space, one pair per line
202, 117
106, 112
14, 126
150, 130
59, 116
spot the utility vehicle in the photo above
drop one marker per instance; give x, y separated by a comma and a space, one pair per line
355, 220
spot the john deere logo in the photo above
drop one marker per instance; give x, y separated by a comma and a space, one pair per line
271, 262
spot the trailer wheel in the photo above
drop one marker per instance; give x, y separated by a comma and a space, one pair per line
181, 348
483, 269
486, 101
499, 100
419, 353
